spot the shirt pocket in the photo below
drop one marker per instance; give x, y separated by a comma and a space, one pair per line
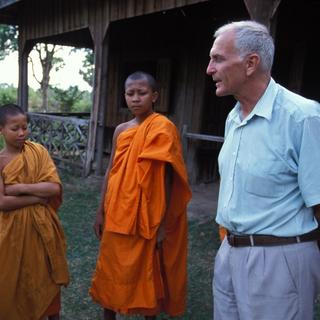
265, 179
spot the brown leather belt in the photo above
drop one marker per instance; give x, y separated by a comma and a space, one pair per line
265, 240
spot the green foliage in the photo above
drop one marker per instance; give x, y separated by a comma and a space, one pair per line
60, 100
67, 98
1, 142
8, 40
35, 100
46, 56
87, 71
70, 100
83, 105
58, 63
8, 94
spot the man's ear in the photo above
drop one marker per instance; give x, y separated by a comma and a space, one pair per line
253, 61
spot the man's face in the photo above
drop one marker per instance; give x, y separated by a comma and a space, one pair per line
226, 67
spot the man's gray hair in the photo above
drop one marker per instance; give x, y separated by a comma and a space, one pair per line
251, 37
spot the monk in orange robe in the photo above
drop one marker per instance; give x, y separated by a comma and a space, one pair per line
32, 243
222, 232
141, 221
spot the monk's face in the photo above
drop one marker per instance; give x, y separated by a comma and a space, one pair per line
140, 97
15, 131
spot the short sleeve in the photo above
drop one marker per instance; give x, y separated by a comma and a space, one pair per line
309, 161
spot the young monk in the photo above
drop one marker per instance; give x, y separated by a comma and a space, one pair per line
32, 243
141, 221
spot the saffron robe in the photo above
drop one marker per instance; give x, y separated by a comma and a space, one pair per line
32, 243
222, 232
132, 275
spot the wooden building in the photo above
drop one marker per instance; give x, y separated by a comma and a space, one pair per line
170, 39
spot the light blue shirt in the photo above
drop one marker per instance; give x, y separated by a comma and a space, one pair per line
270, 166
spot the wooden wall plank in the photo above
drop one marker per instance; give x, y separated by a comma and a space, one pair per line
42, 19
140, 5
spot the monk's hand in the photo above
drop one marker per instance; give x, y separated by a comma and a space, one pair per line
43, 201
161, 234
98, 225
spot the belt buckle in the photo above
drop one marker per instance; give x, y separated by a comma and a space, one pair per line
231, 240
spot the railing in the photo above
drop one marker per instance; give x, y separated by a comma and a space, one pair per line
197, 136
209, 166
65, 137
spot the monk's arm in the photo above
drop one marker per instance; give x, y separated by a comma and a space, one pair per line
40, 189
98, 225
16, 202
168, 188
168, 183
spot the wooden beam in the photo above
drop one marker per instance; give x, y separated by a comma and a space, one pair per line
8, 19
262, 10
6, 3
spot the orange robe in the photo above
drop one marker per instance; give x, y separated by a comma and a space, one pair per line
32, 243
132, 275
222, 232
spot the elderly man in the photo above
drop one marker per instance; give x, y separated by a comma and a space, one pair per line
268, 265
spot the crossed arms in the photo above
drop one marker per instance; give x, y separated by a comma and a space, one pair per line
21, 195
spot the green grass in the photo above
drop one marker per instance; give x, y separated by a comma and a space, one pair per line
77, 213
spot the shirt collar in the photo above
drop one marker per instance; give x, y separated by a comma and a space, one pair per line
263, 108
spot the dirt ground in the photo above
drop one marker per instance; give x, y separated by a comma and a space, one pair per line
203, 204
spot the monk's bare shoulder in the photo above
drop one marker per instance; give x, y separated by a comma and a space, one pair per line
124, 126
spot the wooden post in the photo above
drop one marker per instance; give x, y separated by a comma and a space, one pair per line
102, 106
298, 64
262, 10
24, 50
97, 119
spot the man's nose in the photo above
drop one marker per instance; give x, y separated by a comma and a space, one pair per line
210, 68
